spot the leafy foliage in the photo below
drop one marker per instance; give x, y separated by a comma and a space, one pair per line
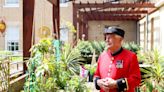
153, 76
91, 68
98, 46
132, 46
88, 48
85, 48
45, 74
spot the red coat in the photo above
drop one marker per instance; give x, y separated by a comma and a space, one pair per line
108, 67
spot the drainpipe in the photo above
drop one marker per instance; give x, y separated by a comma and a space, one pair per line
147, 30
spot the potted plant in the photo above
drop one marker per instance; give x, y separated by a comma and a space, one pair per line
45, 74
91, 68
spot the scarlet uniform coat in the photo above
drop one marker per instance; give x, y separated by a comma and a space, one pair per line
108, 67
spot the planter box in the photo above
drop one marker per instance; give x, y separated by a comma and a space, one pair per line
17, 84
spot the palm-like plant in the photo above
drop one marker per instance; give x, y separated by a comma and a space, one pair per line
71, 57
98, 47
155, 73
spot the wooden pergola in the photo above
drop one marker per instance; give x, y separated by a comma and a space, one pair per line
109, 11
28, 16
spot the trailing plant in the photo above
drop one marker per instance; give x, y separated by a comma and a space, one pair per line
45, 74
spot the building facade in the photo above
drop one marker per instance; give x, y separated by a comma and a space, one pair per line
11, 14
147, 31
151, 29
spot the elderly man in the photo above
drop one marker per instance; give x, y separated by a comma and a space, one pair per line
118, 69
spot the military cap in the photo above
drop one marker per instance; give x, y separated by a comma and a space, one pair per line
114, 30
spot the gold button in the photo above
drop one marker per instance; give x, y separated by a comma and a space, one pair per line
112, 58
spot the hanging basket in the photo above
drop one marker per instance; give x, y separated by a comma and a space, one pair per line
44, 32
2, 26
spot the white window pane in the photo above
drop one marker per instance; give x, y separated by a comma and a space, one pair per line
12, 37
12, 1
12, 33
62, 1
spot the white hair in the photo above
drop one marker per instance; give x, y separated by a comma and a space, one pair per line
119, 37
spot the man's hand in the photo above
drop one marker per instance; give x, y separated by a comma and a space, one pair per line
110, 83
107, 83
102, 84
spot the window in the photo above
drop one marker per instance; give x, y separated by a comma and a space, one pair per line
63, 3
11, 3
12, 38
12, 46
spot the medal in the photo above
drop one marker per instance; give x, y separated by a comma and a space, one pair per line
119, 64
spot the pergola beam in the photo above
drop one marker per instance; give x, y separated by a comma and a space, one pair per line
108, 12
119, 12
55, 17
114, 5
104, 16
114, 18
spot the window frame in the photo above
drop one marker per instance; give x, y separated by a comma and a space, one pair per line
12, 45
63, 3
7, 4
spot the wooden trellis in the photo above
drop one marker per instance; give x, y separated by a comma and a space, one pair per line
107, 11
4, 76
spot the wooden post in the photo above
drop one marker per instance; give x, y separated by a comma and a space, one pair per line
75, 23
86, 30
56, 17
28, 15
